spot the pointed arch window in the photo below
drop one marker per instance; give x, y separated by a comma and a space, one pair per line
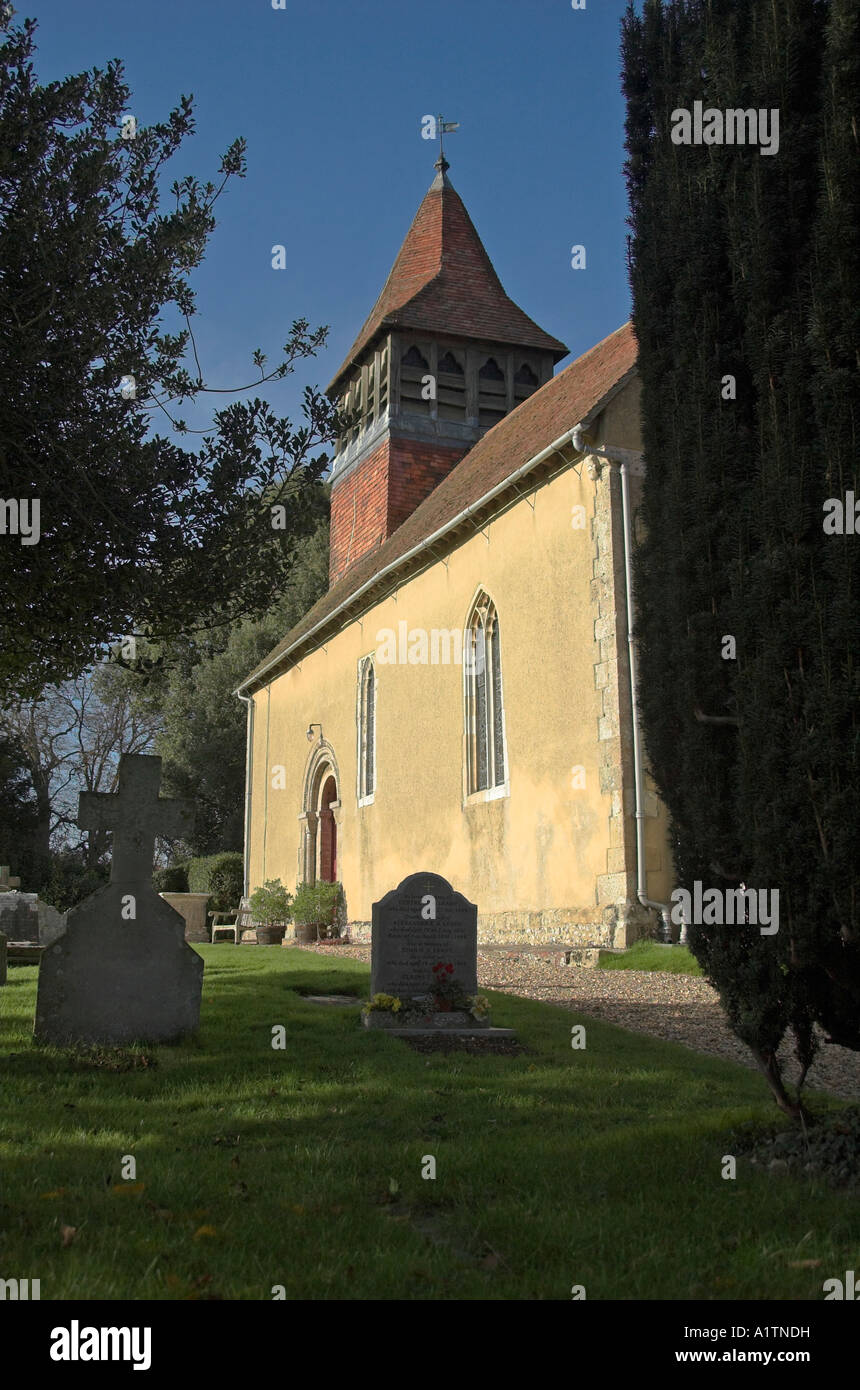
366, 730
485, 724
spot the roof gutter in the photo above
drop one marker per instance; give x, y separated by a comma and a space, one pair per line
423, 545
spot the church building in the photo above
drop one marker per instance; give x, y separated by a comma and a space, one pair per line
459, 701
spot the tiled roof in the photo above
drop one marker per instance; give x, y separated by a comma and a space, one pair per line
443, 281
569, 398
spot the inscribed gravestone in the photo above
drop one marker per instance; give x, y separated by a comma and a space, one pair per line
421, 923
122, 971
25, 918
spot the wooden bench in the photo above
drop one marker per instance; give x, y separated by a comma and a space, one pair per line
232, 924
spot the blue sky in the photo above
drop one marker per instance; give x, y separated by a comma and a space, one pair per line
329, 95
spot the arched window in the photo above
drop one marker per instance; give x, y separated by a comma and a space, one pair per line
525, 383
366, 729
485, 727
414, 397
451, 388
492, 394
382, 400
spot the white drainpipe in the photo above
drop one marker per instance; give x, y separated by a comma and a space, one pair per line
248, 702
623, 457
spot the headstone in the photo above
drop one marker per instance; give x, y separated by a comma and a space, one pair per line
424, 949
420, 924
25, 918
122, 971
19, 916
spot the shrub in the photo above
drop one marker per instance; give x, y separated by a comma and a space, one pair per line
70, 881
172, 879
221, 875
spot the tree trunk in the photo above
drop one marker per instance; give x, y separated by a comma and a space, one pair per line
769, 1066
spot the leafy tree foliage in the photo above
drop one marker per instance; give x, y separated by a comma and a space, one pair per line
745, 265
19, 816
137, 534
69, 741
192, 695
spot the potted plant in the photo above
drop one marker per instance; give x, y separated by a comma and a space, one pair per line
270, 909
318, 910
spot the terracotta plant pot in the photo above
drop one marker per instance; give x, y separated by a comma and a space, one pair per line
270, 935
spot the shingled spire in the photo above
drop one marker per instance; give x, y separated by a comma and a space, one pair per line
443, 356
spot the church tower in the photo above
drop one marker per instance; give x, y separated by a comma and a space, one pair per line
443, 356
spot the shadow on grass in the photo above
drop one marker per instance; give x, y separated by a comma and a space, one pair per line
289, 1154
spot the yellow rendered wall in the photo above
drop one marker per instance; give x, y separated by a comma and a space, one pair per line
537, 850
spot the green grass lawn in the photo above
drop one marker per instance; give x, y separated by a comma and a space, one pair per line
648, 955
302, 1167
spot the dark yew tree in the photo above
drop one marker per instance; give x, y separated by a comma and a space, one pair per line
137, 534
744, 265
19, 814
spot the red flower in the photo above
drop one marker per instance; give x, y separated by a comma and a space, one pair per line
450, 969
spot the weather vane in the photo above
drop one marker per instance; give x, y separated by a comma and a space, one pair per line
444, 128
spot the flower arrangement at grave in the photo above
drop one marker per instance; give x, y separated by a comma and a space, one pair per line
450, 997
383, 1003
447, 992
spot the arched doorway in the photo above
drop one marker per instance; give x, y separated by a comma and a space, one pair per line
328, 832
318, 854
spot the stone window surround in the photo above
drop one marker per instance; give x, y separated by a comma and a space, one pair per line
366, 798
321, 765
482, 602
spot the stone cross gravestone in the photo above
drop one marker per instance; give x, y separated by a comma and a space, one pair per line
122, 971
425, 941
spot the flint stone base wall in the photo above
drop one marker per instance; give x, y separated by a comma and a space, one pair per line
616, 926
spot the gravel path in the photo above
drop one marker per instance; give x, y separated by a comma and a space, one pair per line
677, 1008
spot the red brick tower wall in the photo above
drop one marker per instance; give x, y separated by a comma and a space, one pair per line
369, 504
